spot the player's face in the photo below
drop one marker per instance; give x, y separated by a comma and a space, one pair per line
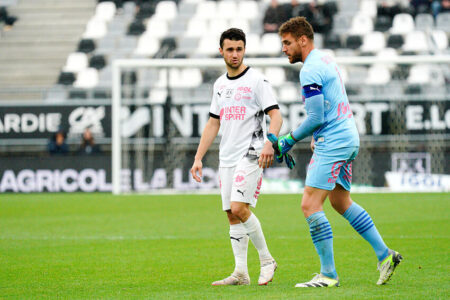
233, 53
292, 47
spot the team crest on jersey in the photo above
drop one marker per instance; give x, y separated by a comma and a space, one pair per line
228, 93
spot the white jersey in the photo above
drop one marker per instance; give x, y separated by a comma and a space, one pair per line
240, 103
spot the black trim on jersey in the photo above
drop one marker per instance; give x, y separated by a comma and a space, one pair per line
214, 116
238, 76
270, 108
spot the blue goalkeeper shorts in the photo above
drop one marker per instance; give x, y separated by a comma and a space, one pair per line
328, 168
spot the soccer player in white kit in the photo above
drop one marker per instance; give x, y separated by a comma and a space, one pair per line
241, 98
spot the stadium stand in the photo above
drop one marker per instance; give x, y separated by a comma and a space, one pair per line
190, 29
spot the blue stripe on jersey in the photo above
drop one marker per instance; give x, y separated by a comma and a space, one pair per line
312, 90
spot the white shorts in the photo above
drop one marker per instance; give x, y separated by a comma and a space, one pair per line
241, 183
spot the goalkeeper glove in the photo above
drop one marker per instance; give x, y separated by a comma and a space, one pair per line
285, 143
290, 161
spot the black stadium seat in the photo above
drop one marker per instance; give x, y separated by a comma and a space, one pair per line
97, 61
383, 23
353, 42
86, 46
332, 41
395, 41
66, 78
136, 28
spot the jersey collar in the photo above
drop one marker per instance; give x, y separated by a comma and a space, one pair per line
238, 76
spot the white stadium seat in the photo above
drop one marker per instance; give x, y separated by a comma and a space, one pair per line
157, 28
361, 24
87, 78
206, 10
373, 42
76, 62
439, 39
105, 11
147, 45
416, 41
95, 29
226, 9
196, 27
166, 10
248, 10
208, 45
402, 24
368, 7
253, 46
270, 44
275, 75
378, 75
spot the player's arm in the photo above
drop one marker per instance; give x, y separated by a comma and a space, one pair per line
209, 134
314, 104
266, 157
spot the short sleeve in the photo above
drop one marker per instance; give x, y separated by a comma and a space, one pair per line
265, 95
214, 110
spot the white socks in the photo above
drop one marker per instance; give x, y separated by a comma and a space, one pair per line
254, 231
239, 243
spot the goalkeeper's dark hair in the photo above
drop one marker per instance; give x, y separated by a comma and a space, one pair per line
234, 34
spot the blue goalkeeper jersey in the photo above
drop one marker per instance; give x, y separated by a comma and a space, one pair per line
339, 127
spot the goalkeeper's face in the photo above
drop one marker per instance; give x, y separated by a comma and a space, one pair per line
233, 53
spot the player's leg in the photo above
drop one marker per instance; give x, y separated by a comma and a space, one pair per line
246, 186
361, 221
314, 195
238, 235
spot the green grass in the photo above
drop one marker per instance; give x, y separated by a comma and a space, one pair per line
101, 246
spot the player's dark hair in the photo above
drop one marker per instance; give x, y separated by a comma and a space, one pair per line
234, 34
297, 27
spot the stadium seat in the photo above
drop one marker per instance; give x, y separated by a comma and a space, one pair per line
76, 62
373, 42
157, 28
247, 10
378, 75
208, 46
383, 23
424, 22
361, 24
270, 44
416, 42
66, 78
439, 40
105, 11
402, 24
253, 46
95, 29
78, 94
341, 23
136, 28
56, 93
86, 46
226, 9
443, 21
240, 23
97, 62
275, 75
395, 41
87, 78
353, 42
388, 53
165, 10
288, 92
318, 40
196, 27
146, 10
157, 96
332, 41
368, 7
206, 10
215, 27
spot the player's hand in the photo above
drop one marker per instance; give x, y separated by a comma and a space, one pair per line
274, 140
266, 157
313, 145
290, 161
197, 167
285, 143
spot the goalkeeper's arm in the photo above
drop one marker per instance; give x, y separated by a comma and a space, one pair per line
209, 134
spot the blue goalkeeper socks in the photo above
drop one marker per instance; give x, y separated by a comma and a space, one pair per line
322, 237
363, 224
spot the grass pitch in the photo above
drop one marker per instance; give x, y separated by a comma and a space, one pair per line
88, 246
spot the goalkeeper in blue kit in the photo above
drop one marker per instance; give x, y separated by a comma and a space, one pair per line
335, 145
